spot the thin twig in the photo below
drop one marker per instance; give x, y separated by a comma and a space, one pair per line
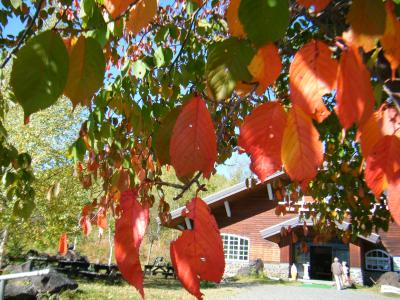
191, 27
24, 35
170, 184
188, 186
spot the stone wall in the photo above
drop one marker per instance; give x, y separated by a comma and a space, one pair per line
277, 270
232, 267
356, 275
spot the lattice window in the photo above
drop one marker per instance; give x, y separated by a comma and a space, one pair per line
235, 247
377, 260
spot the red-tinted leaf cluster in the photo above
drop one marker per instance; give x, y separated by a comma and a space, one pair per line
130, 228
198, 254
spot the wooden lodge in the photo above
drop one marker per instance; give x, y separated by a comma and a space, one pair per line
250, 230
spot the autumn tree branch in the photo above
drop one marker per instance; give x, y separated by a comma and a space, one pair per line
191, 27
24, 35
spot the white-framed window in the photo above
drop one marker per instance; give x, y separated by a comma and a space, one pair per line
235, 247
377, 260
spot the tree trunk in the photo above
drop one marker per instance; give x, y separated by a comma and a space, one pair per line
149, 252
3, 246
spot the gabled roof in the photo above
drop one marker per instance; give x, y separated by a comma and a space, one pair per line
296, 222
224, 195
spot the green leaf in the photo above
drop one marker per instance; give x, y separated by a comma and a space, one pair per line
23, 208
139, 69
162, 56
87, 8
135, 118
86, 70
77, 150
159, 57
161, 35
16, 3
264, 21
227, 63
163, 136
39, 72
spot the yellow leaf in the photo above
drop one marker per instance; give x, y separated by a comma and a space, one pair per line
141, 15
265, 66
232, 17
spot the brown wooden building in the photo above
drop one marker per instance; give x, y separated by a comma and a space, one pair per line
251, 230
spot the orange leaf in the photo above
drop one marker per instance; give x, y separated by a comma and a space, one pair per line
232, 17
371, 133
391, 38
355, 97
317, 4
261, 137
394, 198
193, 144
301, 151
385, 121
141, 15
382, 164
117, 7
265, 66
198, 254
63, 244
312, 74
130, 228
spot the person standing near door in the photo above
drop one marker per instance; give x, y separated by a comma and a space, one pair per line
345, 276
337, 272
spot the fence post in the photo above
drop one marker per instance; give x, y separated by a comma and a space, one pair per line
2, 288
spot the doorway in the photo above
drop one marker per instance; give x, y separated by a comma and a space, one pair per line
320, 262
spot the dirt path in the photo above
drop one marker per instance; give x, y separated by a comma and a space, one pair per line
287, 292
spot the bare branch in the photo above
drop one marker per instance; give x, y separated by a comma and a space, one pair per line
24, 35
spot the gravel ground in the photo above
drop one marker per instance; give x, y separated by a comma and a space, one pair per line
287, 292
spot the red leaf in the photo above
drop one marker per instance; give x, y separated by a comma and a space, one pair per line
318, 4
63, 244
86, 225
355, 97
382, 164
124, 181
102, 218
302, 151
261, 137
198, 254
129, 231
193, 144
394, 198
312, 74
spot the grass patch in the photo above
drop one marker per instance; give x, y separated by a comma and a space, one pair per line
316, 285
157, 288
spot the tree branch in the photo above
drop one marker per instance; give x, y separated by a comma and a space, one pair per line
191, 27
195, 179
24, 35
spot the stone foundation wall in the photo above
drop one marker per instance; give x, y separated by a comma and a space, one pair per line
232, 268
277, 270
356, 275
